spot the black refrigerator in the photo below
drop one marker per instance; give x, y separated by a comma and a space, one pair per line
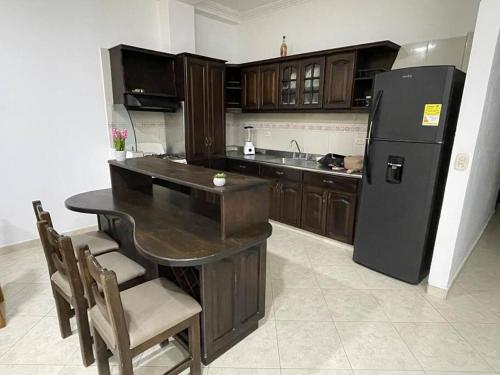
410, 135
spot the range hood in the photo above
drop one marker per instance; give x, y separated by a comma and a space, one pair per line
151, 102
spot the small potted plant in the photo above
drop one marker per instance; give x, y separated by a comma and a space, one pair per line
219, 179
119, 137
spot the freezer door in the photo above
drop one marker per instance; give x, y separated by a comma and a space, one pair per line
394, 231
413, 105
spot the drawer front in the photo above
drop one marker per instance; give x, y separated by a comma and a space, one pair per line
346, 184
284, 173
243, 167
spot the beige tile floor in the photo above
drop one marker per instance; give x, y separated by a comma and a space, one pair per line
325, 316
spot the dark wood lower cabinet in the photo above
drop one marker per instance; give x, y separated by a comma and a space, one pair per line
329, 212
290, 203
285, 202
233, 293
314, 209
340, 214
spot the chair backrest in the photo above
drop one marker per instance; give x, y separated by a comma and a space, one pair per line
48, 249
101, 288
37, 207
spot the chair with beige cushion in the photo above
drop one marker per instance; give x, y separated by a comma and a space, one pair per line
98, 242
67, 286
132, 321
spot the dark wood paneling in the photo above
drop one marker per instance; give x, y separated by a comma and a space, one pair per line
339, 76
220, 300
314, 209
340, 214
216, 113
196, 109
250, 79
274, 200
268, 87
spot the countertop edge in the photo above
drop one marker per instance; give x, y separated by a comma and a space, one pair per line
335, 173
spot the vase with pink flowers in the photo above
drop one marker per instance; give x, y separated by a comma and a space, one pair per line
119, 137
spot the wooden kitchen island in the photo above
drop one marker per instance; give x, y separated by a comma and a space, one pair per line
211, 241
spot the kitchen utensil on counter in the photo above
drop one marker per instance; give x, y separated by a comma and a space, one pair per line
249, 148
332, 160
353, 163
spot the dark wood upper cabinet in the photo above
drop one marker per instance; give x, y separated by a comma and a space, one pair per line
269, 86
203, 91
311, 83
335, 80
339, 77
143, 80
340, 214
289, 84
250, 80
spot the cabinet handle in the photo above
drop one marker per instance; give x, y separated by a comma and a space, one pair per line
280, 173
206, 141
328, 181
210, 141
325, 195
243, 166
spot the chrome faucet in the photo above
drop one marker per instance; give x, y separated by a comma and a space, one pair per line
298, 147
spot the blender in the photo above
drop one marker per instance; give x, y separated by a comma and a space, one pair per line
249, 148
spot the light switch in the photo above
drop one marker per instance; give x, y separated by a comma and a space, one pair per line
461, 162
267, 133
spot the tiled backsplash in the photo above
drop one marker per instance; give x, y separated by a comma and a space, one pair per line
317, 133
156, 127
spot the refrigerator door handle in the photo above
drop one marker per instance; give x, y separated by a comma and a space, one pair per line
369, 136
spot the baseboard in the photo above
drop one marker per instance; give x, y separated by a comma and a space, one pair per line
313, 235
443, 293
466, 258
7, 249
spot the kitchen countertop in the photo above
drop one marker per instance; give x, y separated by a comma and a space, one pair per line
273, 158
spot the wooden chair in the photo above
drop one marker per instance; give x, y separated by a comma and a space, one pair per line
130, 322
67, 286
98, 242
3, 319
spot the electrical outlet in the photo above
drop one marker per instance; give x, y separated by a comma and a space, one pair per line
461, 162
360, 141
267, 133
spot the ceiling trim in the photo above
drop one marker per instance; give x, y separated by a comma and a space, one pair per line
273, 6
214, 9
230, 15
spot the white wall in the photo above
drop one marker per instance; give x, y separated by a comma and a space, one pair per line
323, 24
53, 124
470, 195
177, 25
218, 39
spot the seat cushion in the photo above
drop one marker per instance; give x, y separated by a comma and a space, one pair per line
150, 309
62, 282
124, 268
99, 242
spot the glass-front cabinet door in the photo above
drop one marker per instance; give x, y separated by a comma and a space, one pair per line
311, 83
289, 84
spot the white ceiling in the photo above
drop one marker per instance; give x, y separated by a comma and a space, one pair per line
235, 11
